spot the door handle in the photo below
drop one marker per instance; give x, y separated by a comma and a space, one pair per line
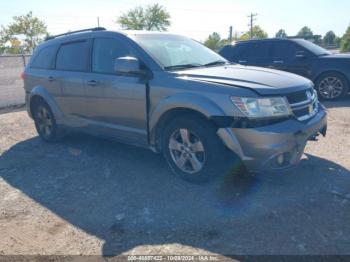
278, 62
242, 61
92, 83
51, 79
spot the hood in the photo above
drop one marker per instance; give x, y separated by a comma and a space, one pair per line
261, 80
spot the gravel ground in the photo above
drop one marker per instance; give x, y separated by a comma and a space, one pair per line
90, 196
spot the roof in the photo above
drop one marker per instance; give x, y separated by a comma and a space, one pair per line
268, 40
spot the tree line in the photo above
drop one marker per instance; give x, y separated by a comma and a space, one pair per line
330, 40
25, 32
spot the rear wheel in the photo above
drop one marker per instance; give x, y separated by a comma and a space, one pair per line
45, 122
332, 86
193, 150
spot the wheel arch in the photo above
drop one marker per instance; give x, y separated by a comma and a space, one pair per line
181, 105
41, 94
319, 75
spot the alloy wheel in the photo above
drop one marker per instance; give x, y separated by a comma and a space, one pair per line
45, 123
187, 151
331, 87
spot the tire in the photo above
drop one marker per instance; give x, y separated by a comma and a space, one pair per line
332, 86
192, 142
45, 123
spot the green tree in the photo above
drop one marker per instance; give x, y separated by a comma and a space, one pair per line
3, 39
31, 28
329, 39
258, 33
345, 42
305, 33
281, 34
152, 18
213, 41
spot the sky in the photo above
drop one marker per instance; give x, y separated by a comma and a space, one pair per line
194, 18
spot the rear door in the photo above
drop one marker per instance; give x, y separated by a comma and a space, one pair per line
117, 103
41, 71
284, 57
72, 63
257, 53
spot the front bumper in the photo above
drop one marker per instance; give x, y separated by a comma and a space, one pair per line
274, 147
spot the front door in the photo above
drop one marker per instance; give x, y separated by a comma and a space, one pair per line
284, 57
116, 104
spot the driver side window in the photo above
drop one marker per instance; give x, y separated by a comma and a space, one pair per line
104, 53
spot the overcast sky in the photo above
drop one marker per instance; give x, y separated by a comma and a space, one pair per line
194, 18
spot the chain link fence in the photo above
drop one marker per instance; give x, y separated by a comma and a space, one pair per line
11, 84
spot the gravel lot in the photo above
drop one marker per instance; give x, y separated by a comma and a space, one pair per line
91, 196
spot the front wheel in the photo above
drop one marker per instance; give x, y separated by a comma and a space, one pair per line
332, 86
193, 150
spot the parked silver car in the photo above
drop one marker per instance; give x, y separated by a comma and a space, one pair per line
173, 95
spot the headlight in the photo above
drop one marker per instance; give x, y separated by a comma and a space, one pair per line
262, 107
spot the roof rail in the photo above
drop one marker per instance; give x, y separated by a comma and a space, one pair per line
74, 32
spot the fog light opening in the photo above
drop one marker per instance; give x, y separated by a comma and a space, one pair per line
280, 159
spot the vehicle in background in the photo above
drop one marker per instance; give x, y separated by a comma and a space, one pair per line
329, 72
172, 95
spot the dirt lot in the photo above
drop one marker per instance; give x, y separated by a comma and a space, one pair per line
91, 196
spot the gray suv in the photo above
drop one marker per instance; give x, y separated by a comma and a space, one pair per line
172, 95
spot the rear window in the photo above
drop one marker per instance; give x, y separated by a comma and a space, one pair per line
231, 52
284, 50
256, 50
73, 56
44, 58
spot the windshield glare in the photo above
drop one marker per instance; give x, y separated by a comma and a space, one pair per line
313, 48
177, 52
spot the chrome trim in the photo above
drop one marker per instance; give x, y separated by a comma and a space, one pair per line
312, 100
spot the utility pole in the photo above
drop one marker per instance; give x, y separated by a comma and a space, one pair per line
98, 22
230, 35
252, 18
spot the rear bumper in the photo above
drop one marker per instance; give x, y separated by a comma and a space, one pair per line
274, 147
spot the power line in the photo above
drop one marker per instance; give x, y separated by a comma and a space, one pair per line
252, 18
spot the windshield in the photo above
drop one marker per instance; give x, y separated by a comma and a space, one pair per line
313, 48
177, 52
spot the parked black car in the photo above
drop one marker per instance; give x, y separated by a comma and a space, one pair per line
329, 72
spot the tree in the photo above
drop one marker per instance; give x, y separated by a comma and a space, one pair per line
213, 41
31, 28
281, 34
329, 39
15, 46
305, 33
3, 39
258, 33
345, 42
151, 18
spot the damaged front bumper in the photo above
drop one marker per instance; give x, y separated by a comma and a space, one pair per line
274, 147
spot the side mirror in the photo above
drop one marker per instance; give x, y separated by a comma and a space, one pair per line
127, 65
300, 54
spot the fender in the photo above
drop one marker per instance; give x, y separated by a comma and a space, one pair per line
48, 98
190, 101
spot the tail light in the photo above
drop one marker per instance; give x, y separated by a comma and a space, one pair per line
23, 75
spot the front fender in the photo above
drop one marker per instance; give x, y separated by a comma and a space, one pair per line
195, 102
41, 92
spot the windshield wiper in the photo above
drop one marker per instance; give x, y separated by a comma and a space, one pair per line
217, 62
184, 66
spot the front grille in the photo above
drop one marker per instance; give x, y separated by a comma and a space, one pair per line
304, 104
297, 97
301, 112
